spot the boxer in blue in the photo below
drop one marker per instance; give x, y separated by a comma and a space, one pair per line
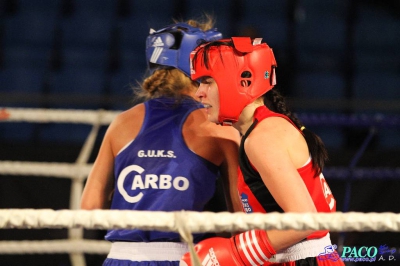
163, 154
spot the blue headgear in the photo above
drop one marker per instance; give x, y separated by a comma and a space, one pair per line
172, 45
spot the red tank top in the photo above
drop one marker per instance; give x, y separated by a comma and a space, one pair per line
255, 195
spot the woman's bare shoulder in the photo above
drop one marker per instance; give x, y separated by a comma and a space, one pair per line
225, 132
201, 121
129, 116
125, 127
207, 139
276, 127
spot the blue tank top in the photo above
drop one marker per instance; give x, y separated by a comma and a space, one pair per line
158, 172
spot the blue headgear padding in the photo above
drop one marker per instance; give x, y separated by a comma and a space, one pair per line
172, 45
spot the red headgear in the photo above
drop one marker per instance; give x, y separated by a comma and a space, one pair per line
243, 72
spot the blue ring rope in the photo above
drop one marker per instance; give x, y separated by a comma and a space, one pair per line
363, 120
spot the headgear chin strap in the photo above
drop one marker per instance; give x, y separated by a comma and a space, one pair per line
242, 70
172, 45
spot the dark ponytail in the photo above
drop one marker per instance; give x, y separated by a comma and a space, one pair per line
276, 103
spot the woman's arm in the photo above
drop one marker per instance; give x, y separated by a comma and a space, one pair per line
99, 185
275, 148
229, 169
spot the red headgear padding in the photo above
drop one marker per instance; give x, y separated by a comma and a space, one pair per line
242, 70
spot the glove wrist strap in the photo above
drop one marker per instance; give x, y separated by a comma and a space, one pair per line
254, 247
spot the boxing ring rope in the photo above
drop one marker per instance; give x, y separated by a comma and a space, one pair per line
75, 220
359, 120
197, 222
182, 221
96, 118
38, 115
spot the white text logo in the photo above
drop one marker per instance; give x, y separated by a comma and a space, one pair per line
156, 153
148, 181
210, 259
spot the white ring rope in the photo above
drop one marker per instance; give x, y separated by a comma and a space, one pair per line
62, 170
197, 222
75, 245
185, 223
60, 115
54, 246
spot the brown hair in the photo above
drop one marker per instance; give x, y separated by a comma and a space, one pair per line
206, 22
170, 82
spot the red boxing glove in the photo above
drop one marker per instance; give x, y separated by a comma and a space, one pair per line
215, 251
249, 249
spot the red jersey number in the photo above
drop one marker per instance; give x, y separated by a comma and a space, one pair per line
330, 200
